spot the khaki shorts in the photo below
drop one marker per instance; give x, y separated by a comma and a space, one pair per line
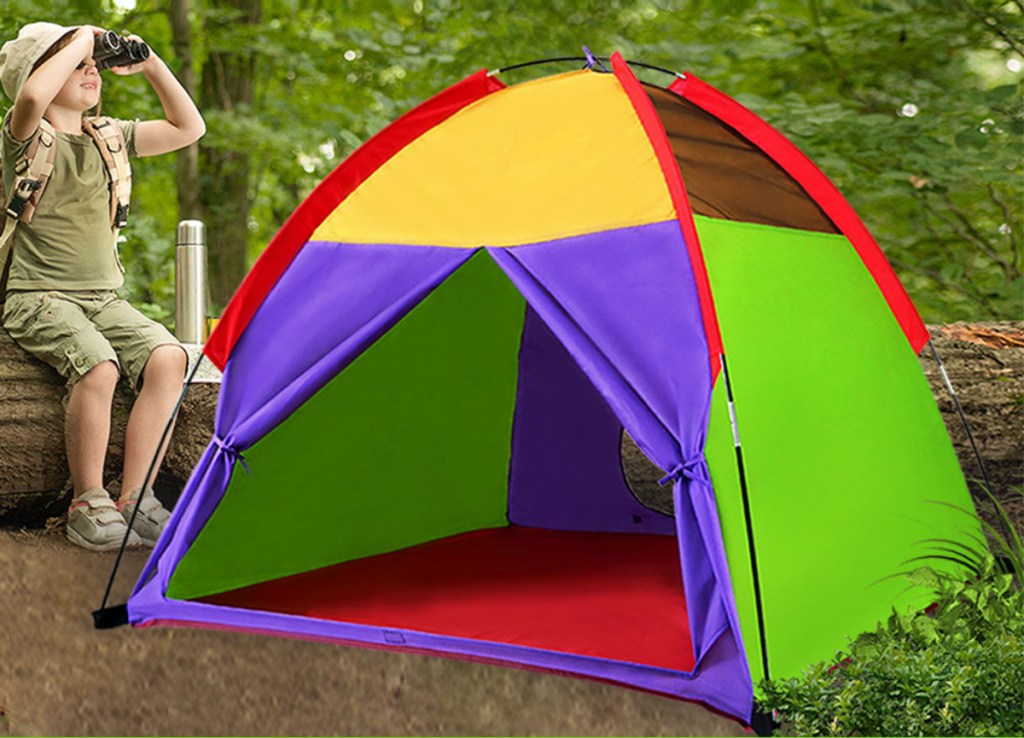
75, 331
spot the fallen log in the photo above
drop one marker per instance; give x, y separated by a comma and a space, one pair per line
34, 481
985, 362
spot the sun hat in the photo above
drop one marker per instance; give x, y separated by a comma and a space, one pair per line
18, 56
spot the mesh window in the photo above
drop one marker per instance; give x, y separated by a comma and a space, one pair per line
727, 176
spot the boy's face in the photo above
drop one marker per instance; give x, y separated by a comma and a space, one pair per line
82, 90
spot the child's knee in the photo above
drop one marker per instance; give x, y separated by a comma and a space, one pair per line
102, 377
166, 365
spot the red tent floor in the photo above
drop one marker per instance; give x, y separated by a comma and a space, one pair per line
608, 595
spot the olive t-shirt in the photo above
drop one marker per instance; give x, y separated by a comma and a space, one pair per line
69, 245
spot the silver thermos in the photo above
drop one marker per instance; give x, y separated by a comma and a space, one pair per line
190, 282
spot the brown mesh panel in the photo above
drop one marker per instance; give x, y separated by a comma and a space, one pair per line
726, 176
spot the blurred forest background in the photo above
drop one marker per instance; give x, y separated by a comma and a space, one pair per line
912, 107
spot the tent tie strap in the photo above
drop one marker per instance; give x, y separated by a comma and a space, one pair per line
233, 454
695, 469
592, 60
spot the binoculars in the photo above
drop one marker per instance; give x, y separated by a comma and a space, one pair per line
111, 50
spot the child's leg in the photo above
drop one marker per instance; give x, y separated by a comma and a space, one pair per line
87, 425
154, 363
55, 327
162, 380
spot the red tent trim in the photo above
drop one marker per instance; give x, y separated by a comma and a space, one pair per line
677, 189
784, 153
352, 172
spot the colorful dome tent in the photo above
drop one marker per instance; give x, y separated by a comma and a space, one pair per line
429, 369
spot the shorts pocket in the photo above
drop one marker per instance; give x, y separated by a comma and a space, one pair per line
22, 309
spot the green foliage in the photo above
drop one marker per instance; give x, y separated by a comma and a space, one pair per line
955, 669
148, 248
1002, 543
908, 105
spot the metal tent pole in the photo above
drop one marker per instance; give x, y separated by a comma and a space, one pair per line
963, 417
748, 518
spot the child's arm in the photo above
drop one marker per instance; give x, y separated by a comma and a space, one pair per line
183, 124
43, 85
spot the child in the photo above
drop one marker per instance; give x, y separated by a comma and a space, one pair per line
60, 304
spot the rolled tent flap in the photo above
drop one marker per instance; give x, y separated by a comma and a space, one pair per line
213, 471
624, 304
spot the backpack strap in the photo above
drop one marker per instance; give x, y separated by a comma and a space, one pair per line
31, 173
109, 139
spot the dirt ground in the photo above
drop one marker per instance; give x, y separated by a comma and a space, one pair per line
59, 676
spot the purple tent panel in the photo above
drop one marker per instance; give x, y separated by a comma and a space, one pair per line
624, 306
566, 473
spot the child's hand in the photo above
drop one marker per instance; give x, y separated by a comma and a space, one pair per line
134, 68
92, 33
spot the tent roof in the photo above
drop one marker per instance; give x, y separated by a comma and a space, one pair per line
517, 176
561, 180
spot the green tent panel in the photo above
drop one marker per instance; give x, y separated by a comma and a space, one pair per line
806, 333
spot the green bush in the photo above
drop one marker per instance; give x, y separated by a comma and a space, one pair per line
956, 669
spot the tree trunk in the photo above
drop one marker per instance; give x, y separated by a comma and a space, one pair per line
225, 188
189, 203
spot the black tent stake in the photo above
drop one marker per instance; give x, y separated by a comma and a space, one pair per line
111, 617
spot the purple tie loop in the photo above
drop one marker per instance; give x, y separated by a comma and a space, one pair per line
233, 454
695, 469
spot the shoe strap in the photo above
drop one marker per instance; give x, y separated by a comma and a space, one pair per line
95, 503
150, 506
101, 509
